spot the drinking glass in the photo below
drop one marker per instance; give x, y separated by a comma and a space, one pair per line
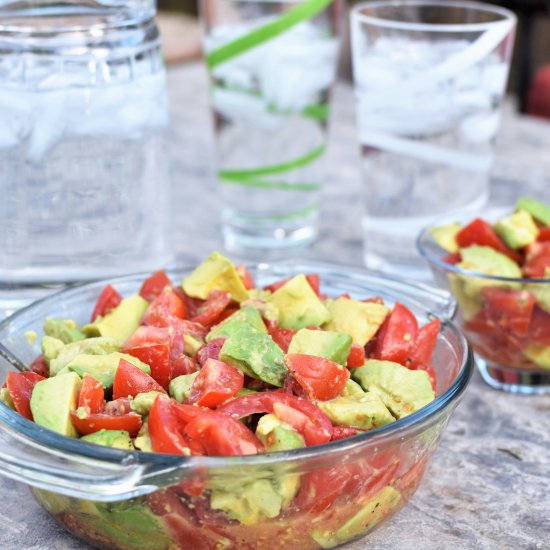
429, 83
271, 65
84, 187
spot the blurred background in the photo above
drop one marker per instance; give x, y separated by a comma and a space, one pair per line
529, 82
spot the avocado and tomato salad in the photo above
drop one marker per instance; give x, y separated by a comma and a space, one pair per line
217, 367
507, 322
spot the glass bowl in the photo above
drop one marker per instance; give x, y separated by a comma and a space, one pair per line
510, 348
127, 500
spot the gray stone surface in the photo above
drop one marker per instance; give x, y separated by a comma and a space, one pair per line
487, 484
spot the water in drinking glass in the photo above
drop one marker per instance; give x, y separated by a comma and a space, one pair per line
428, 108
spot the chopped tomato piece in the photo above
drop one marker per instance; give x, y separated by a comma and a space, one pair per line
481, 233
165, 429
210, 350
182, 365
40, 366
453, 258
510, 309
129, 381
210, 311
282, 337
343, 432
537, 260
91, 395
129, 422
356, 356
544, 234
20, 386
312, 279
154, 285
247, 279
146, 335
221, 435
215, 383
539, 330
424, 345
291, 386
107, 301
321, 378
396, 335
165, 307
157, 356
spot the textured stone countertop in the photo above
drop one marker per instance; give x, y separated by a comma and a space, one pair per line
487, 486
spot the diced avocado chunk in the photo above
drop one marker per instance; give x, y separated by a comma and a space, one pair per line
540, 355
51, 348
191, 345
180, 387
52, 401
365, 411
445, 236
215, 273
64, 355
371, 513
247, 316
103, 367
352, 389
403, 391
298, 305
143, 402
537, 209
256, 354
65, 330
5, 398
517, 230
277, 435
361, 320
459, 285
118, 439
143, 439
121, 322
322, 343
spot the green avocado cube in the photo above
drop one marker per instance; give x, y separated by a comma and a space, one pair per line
60, 357
403, 391
517, 230
322, 343
539, 211
65, 330
276, 435
298, 305
361, 320
180, 387
143, 402
52, 401
103, 367
256, 354
121, 322
117, 439
215, 273
248, 316
352, 389
445, 236
365, 411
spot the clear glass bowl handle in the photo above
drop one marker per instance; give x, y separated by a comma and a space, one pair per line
46, 468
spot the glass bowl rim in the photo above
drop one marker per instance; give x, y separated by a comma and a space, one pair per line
482, 7
425, 238
41, 436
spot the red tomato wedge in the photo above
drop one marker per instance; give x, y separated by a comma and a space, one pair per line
321, 378
92, 395
510, 309
216, 382
130, 422
107, 301
481, 233
453, 258
165, 307
247, 279
129, 381
154, 285
356, 356
39, 366
20, 386
343, 432
146, 335
544, 234
424, 345
396, 335
209, 313
282, 337
210, 350
157, 356
537, 260
539, 331
165, 429
221, 435
318, 429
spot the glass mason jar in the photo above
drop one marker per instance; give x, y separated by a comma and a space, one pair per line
84, 186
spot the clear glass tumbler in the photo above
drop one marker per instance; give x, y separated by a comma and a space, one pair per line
84, 184
429, 82
271, 65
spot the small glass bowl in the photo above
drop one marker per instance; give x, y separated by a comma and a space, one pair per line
125, 500
504, 353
